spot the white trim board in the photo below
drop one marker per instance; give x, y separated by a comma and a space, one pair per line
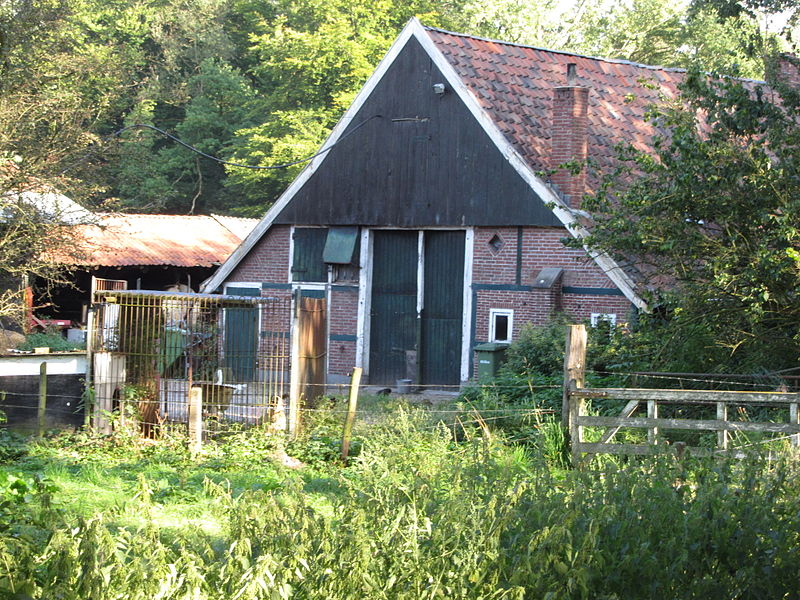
415, 29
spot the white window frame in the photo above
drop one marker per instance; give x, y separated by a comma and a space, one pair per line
505, 312
596, 318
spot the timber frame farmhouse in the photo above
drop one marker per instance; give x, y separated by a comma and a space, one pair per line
434, 220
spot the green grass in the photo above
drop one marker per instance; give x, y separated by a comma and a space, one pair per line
417, 513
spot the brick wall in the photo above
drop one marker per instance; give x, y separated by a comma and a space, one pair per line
541, 248
493, 265
268, 260
788, 71
343, 319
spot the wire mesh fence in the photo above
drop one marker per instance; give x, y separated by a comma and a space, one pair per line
151, 349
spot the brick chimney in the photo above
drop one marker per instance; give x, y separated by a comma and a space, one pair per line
569, 136
788, 70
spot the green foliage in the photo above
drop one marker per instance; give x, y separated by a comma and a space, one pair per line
416, 515
53, 340
716, 209
264, 82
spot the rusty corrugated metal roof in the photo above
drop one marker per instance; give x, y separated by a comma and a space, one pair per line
177, 240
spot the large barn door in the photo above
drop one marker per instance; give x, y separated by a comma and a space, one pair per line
393, 318
442, 313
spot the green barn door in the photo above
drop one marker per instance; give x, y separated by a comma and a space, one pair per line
241, 336
442, 313
393, 316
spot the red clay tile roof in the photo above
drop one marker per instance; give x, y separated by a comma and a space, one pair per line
183, 241
515, 84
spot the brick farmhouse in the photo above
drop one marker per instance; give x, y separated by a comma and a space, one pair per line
435, 220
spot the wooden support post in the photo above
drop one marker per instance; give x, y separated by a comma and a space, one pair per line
794, 419
195, 419
574, 366
41, 414
576, 408
652, 413
347, 434
294, 369
722, 434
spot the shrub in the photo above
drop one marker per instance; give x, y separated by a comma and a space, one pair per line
50, 339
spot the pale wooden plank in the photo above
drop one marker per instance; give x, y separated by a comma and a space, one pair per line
687, 424
648, 450
574, 366
629, 409
652, 414
689, 396
722, 434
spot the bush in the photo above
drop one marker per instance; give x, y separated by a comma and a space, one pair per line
50, 339
419, 516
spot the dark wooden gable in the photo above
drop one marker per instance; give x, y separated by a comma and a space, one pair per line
439, 170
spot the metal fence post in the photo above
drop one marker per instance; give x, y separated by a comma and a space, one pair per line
294, 373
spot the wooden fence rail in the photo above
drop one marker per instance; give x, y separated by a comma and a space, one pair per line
654, 399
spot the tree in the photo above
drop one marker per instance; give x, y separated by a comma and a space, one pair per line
51, 97
712, 220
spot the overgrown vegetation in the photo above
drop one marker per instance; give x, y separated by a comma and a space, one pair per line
53, 340
710, 219
415, 515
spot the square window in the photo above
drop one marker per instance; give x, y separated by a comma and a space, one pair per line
501, 324
598, 318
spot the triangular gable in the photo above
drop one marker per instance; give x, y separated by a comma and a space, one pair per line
551, 199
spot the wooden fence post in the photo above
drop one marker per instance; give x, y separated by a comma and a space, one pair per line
195, 419
722, 434
41, 413
577, 407
574, 365
794, 419
294, 369
347, 434
652, 413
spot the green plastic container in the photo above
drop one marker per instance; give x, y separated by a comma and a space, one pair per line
491, 356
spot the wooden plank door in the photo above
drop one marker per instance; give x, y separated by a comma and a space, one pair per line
443, 306
393, 315
313, 350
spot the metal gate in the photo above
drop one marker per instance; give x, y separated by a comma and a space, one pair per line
150, 348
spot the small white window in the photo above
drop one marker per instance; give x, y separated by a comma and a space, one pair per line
598, 318
501, 324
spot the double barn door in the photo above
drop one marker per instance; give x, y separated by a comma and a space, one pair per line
417, 302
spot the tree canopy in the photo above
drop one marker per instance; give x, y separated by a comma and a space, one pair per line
264, 82
712, 220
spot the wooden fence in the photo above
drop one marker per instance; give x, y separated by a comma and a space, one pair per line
727, 420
